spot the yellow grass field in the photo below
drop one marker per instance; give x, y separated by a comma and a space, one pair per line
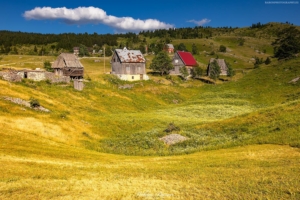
103, 142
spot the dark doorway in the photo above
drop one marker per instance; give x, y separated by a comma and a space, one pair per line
25, 74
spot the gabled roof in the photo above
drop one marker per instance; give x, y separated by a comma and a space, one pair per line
67, 60
130, 56
170, 46
187, 58
221, 63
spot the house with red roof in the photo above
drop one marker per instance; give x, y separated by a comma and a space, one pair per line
183, 59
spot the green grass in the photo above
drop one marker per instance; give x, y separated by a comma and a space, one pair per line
243, 134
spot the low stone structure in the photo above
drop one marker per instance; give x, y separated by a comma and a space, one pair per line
13, 75
24, 103
173, 139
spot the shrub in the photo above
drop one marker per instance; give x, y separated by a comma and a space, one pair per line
184, 72
197, 71
34, 103
47, 66
171, 127
268, 61
222, 48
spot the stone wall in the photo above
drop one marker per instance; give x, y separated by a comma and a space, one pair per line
17, 76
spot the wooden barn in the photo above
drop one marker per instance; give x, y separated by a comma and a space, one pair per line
222, 65
169, 48
183, 59
67, 64
129, 65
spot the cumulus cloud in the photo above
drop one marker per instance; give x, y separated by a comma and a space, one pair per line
200, 22
86, 15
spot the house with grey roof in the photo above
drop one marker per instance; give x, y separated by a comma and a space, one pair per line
222, 65
129, 65
67, 64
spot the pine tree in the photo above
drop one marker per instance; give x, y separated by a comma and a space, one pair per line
214, 70
195, 50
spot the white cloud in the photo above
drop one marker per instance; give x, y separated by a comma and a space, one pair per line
200, 22
86, 15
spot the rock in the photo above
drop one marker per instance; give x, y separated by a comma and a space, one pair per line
295, 80
126, 86
173, 139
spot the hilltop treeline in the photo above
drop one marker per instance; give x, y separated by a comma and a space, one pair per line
12, 42
187, 33
63, 41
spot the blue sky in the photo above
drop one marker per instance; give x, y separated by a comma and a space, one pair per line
115, 16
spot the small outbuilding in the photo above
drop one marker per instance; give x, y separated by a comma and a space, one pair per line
67, 64
183, 59
222, 65
129, 65
169, 48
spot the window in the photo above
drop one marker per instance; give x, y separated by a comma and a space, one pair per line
128, 69
132, 77
138, 70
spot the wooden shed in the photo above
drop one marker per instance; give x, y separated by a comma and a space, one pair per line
67, 64
129, 65
222, 65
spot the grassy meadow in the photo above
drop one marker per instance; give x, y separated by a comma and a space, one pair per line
103, 142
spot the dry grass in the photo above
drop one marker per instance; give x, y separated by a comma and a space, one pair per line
238, 173
49, 156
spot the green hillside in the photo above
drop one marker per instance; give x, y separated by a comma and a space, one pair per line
104, 142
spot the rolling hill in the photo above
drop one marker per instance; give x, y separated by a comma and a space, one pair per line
103, 142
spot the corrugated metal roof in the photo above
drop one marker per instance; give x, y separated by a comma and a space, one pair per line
187, 58
130, 56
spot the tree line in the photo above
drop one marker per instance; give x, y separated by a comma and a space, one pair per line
8, 39
187, 33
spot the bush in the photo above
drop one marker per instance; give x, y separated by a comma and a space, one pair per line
171, 127
222, 48
196, 71
47, 66
34, 103
184, 72
268, 61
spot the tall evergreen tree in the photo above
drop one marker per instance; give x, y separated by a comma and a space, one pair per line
215, 70
195, 50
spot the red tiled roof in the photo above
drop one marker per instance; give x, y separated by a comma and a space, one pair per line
187, 58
